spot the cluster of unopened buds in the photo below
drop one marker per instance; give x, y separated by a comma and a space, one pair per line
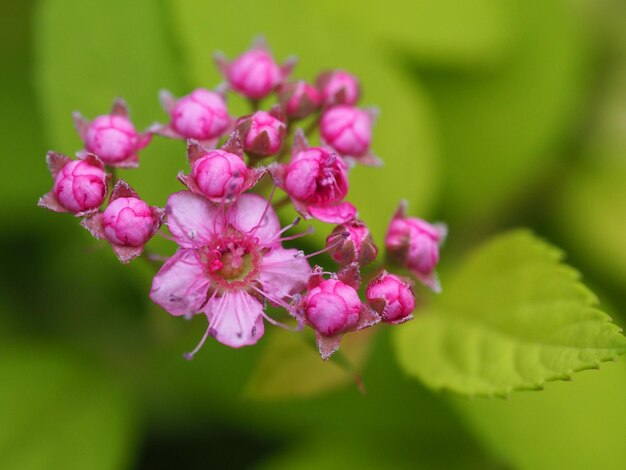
231, 264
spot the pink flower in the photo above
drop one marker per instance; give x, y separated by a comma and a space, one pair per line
128, 223
201, 115
219, 174
112, 137
80, 186
255, 73
229, 263
317, 181
333, 308
349, 131
392, 297
262, 133
415, 244
352, 242
338, 87
299, 99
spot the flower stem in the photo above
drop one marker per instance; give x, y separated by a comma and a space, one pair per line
286, 149
151, 258
281, 203
344, 363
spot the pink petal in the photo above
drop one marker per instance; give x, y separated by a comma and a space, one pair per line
328, 345
190, 219
234, 144
246, 214
164, 130
235, 319
299, 142
122, 189
367, 318
181, 285
167, 101
350, 275
120, 108
49, 201
334, 214
284, 272
56, 162
81, 124
430, 280
195, 150
94, 225
127, 253
143, 140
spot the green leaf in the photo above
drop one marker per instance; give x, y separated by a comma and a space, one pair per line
578, 425
589, 217
58, 412
588, 212
499, 127
448, 33
513, 318
291, 367
403, 135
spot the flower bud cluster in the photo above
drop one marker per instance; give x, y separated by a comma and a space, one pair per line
231, 262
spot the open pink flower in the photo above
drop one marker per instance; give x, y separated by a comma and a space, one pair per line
219, 174
128, 223
316, 179
201, 115
255, 73
229, 263
112, 137
80, 186
414, 243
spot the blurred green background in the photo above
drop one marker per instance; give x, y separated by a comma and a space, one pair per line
495, 114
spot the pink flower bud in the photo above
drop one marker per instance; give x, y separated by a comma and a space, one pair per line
254, 74
219, 174
80, 186
392, 297
332, 307
128, 221
200, 115
263, 134
347, 129
316, 176
415, 244
299, 99
338, 87
352, 242
112, 137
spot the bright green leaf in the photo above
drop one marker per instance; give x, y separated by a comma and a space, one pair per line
589, 211
291, 367
578, 425
590, 218
513, 317
58, 412
448, 33
499, 128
